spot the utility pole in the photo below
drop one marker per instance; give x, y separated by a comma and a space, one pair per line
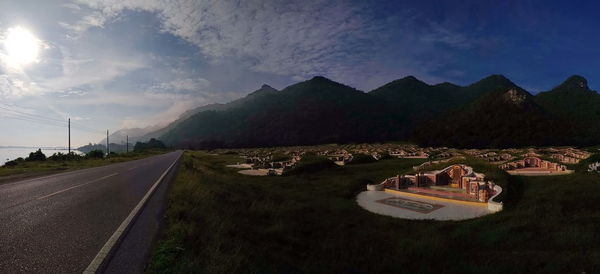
127, 142
107, 147
69, 136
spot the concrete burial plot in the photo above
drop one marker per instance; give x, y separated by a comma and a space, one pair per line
538, 172
241, 166
419, 207
247, 170
255, 172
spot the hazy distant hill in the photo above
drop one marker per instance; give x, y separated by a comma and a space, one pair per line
113, 147
135, 134
491, 112
158, 132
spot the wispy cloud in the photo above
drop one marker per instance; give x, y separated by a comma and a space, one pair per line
345, 40
181, 84
159, 119
150, 60
441, 34
10, 88
280, 37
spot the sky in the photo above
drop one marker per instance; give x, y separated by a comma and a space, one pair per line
140, 63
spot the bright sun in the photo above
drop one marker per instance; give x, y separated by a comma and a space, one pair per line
21, 46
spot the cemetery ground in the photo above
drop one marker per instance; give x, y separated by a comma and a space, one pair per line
220, 221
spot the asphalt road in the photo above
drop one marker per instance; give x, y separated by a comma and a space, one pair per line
57, 224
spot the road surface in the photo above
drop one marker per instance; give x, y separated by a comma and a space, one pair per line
58, 223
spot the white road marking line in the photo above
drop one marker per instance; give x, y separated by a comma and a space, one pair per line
108, 247
132, 168
80, 185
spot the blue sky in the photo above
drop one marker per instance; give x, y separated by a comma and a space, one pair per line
140, 63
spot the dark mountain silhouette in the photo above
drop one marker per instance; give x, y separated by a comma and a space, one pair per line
574, 101
311, 112
501, 118
414, 101
493, 112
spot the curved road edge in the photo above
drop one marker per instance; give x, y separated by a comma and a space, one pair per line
104, 256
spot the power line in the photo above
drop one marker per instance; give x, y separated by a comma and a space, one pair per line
32, 115
19, 115
50, 123
33, 121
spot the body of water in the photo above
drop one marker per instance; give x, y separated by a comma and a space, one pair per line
11, 153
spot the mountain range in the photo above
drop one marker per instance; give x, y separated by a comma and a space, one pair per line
492, 112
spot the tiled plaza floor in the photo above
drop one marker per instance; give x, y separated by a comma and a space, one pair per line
410, 207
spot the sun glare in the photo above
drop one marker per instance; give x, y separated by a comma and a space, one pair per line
21, 46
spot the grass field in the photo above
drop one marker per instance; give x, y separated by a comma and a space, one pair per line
223, 222
39, 168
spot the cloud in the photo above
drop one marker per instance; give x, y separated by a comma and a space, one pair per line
13, 87
64, 115
179, 89
187, 84
438, 33
24, 39
68, 68
71, 92
160, 119
10, 110
349, 41
77, 75
95, 19
279, 37
78, 72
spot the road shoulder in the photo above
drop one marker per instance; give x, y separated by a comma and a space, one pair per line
135, 248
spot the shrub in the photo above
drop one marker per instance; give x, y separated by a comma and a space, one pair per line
36, 156
362, 159
280, 157
11, 163
312, 163
385, 156
14, 162
95, 154
59, 156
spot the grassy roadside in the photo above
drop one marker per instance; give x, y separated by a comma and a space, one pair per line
223, 222
33, 169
